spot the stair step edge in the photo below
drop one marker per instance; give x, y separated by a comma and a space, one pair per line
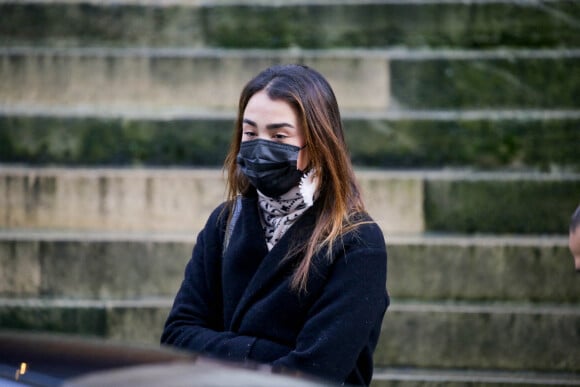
473, 376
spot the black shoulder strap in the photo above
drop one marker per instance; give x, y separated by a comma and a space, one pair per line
236, 210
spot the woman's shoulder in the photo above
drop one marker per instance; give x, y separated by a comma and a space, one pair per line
364, 232
220, 214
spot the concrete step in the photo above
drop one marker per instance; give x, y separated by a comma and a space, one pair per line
482, 268
532, 337
302, 23
481, 336
521, 139
133, 321
410, 377
180, 200
109, 199
193, 80
159, 80
81, 265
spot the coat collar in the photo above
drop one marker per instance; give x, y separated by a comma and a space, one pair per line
271, 268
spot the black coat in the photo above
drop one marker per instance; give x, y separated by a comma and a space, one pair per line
241, 307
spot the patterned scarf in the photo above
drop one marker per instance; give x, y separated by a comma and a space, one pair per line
278, 215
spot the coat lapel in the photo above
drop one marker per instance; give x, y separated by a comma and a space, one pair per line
273, 271
244, 254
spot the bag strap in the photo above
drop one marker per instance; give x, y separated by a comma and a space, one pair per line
236, 210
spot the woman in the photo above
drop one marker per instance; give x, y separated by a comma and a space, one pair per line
290, 271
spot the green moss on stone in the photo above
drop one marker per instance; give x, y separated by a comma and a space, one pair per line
504, 206
91, 141
483, 144
457, 24
540, 144
483, 84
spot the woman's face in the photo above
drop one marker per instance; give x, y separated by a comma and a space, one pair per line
274, 120
574, 244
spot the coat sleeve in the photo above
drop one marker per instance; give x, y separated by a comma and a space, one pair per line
344, 322
195, 321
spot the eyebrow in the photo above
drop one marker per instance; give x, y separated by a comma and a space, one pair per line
270, 126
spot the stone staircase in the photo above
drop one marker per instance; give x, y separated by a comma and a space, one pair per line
462, 117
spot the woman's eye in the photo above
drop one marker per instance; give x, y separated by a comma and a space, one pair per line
280, 136
249, 134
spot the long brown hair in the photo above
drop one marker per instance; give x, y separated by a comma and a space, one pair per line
308, 92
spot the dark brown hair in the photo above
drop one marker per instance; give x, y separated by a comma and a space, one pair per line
314, 102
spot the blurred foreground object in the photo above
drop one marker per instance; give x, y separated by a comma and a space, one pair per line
30, 359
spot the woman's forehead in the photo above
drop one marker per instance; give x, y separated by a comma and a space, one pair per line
261, 107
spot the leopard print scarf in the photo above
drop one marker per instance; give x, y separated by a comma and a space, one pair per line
278, 215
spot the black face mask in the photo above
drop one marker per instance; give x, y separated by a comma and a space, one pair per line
270, 166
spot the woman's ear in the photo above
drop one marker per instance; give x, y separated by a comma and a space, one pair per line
303, 159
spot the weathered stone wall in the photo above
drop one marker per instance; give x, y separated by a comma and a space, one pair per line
462, 119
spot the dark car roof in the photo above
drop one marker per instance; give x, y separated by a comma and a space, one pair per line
57, 360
